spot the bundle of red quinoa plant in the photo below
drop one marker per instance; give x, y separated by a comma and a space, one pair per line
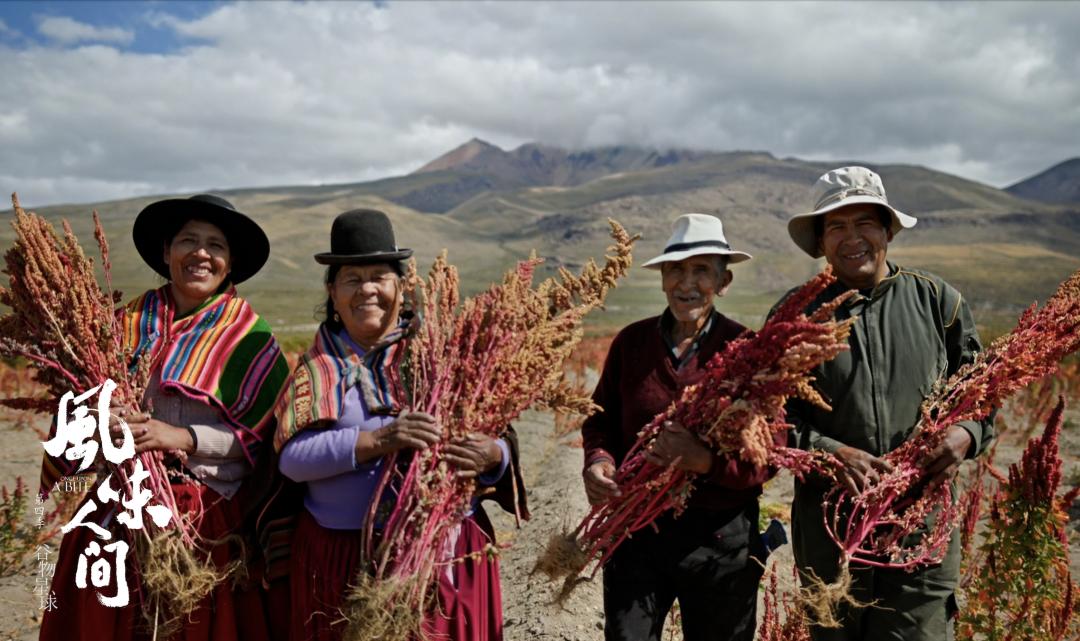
900, 521
1029, 408
65, 325
1021, 587
737, 408
60, 320
475, 366
783, 617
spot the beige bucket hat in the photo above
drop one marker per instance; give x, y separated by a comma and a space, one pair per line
694, 235
840, 188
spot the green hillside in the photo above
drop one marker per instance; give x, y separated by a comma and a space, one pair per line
1001, 250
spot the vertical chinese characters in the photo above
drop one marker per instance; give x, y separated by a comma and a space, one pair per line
46, 570
75, 440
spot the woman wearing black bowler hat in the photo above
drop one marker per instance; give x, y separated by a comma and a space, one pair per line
343, 413
215, 373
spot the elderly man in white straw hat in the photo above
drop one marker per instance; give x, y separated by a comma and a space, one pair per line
707, 559
912, 329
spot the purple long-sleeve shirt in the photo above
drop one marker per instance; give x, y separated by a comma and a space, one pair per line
338, 489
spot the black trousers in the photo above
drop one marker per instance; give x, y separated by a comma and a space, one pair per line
709, 561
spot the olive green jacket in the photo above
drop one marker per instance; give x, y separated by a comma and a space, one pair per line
911, 330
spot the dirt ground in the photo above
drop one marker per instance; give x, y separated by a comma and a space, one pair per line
556, 499
20, 456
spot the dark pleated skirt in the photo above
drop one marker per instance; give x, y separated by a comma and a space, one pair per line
224, 615
325, 562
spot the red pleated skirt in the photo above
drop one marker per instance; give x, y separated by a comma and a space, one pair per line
224, 615
325, 562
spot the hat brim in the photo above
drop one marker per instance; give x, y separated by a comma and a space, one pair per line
732, 256
801, 226
327, 258
249, 248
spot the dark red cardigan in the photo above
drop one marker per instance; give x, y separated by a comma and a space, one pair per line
640, 381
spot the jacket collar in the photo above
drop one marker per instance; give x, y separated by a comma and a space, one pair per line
664, 325
864, 295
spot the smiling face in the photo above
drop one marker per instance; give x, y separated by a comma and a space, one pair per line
854, 241
690, 286
199, 262
368, 299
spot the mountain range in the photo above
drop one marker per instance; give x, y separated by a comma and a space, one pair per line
1002, 247
1058, 184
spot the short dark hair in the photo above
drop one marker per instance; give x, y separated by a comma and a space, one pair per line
884, 215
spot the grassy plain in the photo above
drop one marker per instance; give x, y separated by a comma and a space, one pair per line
1001, 251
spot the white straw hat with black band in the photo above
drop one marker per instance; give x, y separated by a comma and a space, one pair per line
840, 188
697, 235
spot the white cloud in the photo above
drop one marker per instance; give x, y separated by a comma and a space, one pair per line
67, 188
68, 31
288, 93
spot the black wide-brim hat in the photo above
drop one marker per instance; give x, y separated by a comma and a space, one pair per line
158, 222
362, 237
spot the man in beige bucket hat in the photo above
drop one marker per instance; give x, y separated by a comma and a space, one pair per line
912, 329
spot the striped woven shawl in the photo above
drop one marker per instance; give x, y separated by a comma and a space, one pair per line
222, 354
316, 394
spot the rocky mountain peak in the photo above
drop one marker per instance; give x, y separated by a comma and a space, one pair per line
1058, 184
461, 155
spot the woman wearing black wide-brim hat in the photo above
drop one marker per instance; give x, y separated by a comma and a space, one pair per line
344, 412
215, 372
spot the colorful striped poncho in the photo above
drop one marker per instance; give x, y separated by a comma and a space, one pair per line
221, 354
326, 372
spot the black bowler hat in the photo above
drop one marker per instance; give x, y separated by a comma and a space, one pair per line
362, 237
158, 222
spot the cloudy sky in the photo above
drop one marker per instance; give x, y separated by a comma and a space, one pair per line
108, 100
